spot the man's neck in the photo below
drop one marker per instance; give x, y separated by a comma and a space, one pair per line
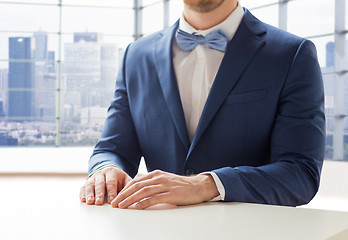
206, 20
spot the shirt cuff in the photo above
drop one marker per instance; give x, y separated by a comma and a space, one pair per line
220, 187
100, 167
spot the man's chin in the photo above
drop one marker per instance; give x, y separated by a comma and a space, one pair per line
203, 6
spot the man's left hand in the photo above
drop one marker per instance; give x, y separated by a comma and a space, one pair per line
163, 187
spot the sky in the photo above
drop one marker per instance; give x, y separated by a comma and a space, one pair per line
118, 25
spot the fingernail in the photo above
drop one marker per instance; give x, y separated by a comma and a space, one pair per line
83, 198
111, 198
98, 199
90, 199
113, 204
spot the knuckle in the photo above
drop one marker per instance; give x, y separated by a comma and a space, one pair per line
111, 193
148, 202
137, 185
146, 189
162, 178
157, 171
110, 182
89, 184
99, 194
99, 181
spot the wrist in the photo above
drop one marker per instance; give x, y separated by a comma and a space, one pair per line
102, 167
206, 187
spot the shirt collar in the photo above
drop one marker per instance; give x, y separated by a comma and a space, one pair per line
228, 26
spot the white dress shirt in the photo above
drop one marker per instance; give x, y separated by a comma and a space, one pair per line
195, 72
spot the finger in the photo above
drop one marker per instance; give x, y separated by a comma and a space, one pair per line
83, 194
140, 178
125, 193
154, 200
111, 185
146, 192
90, 190
99, 189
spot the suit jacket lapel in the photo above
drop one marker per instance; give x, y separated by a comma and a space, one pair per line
240, 51
165, 70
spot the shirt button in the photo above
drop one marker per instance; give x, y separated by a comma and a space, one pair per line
195, 103
199, 60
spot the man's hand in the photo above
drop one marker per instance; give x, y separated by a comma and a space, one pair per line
106, 182
162, 187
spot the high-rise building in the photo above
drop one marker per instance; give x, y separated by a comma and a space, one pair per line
40, 45
20, 78
45, 77
90, 68
330, 54
87, 37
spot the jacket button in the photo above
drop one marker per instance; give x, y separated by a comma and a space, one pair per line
189, 172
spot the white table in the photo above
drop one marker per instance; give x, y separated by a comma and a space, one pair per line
49, 208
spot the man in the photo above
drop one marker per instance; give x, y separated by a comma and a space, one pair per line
225, 108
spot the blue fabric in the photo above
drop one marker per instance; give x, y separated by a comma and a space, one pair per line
262, 130
216, 40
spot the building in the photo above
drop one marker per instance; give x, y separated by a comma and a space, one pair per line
45, 77
87, 37
7, 140
329, 86
21, 79
330, 54
90, 67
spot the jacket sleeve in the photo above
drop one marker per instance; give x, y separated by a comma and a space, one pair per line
297, 142
118, 143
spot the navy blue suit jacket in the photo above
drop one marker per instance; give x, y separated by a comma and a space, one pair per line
262, 130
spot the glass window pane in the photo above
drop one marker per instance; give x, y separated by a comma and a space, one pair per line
43, 47
101, 20
28, 105
153, 18
80, 132
77, 39
324, 50
267, 14
75, 103
16, 17
329, 92
27, 133
91, 65
305, 20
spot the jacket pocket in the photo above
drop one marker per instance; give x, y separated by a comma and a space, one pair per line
246, 97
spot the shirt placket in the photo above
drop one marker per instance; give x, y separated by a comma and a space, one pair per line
197, 88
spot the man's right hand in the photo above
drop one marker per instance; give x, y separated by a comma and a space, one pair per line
106, 182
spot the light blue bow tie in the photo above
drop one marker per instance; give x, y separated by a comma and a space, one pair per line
216, 40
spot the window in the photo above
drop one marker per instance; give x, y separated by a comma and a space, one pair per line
60, 58
58, 69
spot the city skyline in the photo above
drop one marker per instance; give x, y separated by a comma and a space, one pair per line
87, 82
